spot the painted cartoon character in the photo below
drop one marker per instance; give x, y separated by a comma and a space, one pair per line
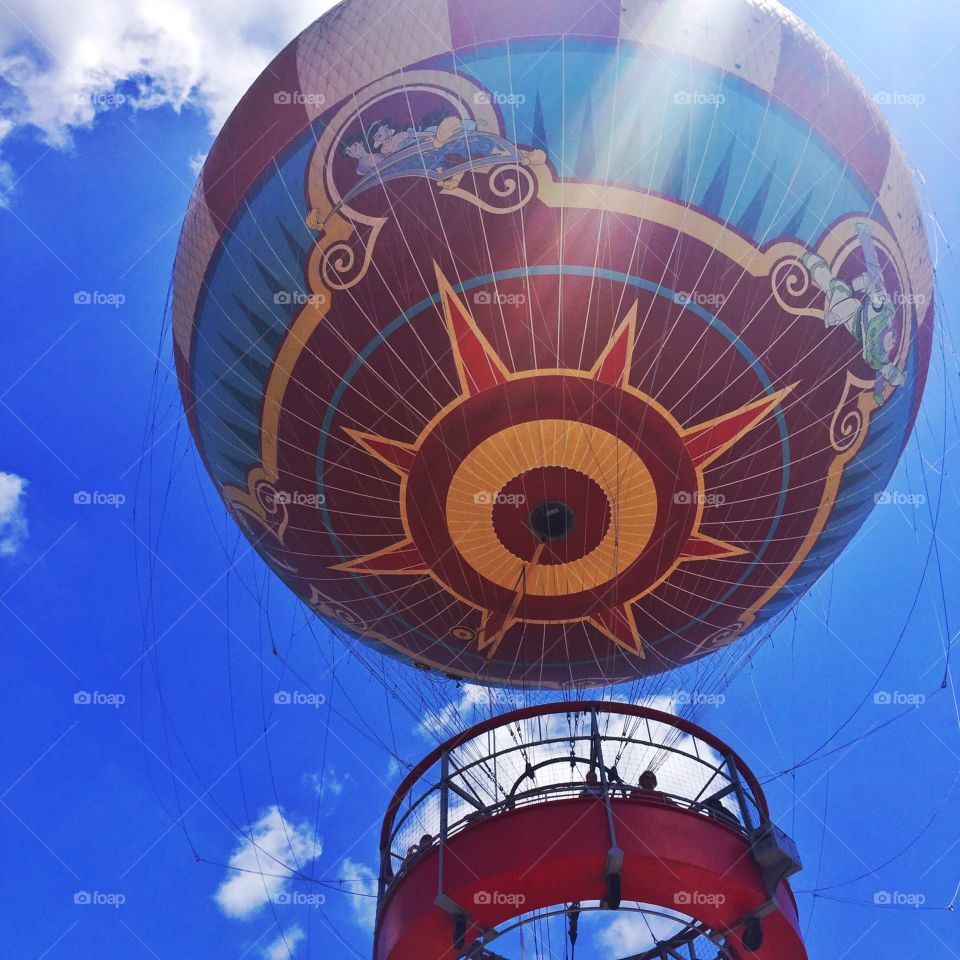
864, 308
384, 140
358, 149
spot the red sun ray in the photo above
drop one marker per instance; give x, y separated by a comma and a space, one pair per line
619, 625
613, 367
707, 441
702, 547
614, 364
396, 455
478, 366
401, 557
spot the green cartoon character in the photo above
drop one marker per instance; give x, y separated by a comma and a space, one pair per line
865, 309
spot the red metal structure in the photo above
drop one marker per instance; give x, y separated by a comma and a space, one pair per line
541, 812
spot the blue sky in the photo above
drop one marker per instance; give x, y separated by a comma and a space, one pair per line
148, 604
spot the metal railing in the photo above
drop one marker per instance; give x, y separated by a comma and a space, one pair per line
545, 754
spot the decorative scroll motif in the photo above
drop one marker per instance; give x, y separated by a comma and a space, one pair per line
512, 183
262, 512
717, 640
345, 262
332, 610
849, 419
792, 288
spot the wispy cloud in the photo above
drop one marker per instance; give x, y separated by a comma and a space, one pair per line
261, 866
362, 882
57, 73
285, 946
330, 785
13, 515
631, 933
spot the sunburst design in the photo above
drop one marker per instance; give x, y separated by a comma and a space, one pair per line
479, 368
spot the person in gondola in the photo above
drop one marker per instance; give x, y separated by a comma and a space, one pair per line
647, 789
718, 811
592, 787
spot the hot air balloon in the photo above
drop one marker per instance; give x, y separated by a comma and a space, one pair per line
547, 344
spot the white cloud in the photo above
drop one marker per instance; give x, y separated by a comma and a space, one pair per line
285, 946
632, 933
330, 785
261, 864
197, 161
475, 704
57, 72
13, 515
362, 881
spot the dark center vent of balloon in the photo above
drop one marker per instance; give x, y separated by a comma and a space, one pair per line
551, 520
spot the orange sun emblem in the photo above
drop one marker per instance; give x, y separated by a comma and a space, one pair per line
551, 496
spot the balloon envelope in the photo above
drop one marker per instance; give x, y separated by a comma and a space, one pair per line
538, 343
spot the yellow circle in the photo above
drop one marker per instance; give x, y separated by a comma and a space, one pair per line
606, 459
